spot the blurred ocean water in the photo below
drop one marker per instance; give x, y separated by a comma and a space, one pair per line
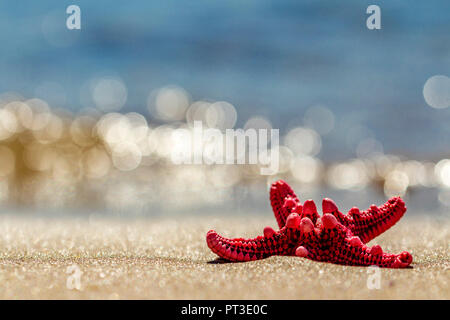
274, 58
293, 63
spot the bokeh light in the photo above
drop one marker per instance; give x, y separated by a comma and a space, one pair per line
103, 157
7, 161
351, 175
169, 103
306, 169
126, 156
221, 115
436, 91
303, 141
109, 94
396, 183
442, 172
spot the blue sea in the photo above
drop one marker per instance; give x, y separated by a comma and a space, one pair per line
269, 58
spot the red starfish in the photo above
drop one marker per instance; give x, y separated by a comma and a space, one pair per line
334, 237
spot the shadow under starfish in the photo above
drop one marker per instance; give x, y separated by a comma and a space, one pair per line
221, 261
334, 237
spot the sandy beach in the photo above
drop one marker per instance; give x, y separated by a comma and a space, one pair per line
99, 258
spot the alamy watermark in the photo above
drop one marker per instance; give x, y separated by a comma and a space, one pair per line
236, 146
373, 22
73, 21
374, 278
73, 281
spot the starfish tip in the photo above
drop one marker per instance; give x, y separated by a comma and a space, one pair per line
301, 252
329, 221
293, 220
355, 211
306, 225
356, 241
279, 182
406, 257
403, 260
268, 232
329, 206
211, 238
289, 203
309, 207
376, 250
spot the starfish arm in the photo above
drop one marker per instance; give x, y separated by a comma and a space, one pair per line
283, 201
310, 211
376, 220
354, 252
334, 243
370, 223
366, 256
272, 243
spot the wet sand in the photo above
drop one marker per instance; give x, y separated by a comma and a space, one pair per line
48, 258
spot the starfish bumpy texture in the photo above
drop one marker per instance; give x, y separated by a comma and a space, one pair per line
334, 237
